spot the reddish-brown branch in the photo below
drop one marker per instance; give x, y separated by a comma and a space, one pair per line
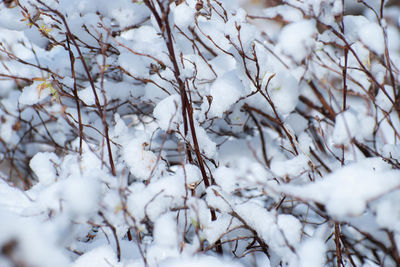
91, 82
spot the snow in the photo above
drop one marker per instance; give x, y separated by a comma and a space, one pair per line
288, 13
292, 167
388, 212
346, 127
32, 94
225, 91
352, 26
101, 256
157, 91
156, 199
13, 199
258, 218
141, 161
6, 129
136, 12
81, 196
32, 239
36, 37
225, 177
191, 173
207, 146
134, 64
305, 143
284, 92
87, 96
312, 253
222, 64
215, 229
384, 100
44, 165
165, 231
296, 39
183, 15
365, 181
371, 35
297, 123
393, 38
10, 18
291, 228
199, 262
167, 112
217, 199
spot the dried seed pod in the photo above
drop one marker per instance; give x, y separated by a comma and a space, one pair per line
199, 5
9, 3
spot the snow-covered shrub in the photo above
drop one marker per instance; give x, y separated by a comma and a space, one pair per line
191, 133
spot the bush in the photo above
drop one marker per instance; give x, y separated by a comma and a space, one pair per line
190, 133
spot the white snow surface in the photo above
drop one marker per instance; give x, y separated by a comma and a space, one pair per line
141, 161
32, 94
43, 164
183, 15
365, 181
167, 112
199, 262
371, 35
100, 256
10, 18
225, 91
284, 91
296, 39
312, 253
